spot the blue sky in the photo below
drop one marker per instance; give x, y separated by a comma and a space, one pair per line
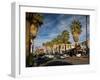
54, 24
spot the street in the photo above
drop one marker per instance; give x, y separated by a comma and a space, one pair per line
78, 60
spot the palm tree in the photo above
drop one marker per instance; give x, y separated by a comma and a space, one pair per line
59, 42
33, 22
76, 30
55, 43
45, 45
49, 46
65, 37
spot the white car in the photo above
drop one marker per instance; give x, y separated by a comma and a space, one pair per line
78, 55
50, 56
65, 55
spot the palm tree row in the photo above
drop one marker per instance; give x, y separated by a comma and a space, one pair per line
63, 38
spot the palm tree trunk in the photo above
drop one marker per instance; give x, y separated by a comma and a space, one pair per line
65, 47
46, 50
32, 45
75, 44
52, 50
29, 59
59, 48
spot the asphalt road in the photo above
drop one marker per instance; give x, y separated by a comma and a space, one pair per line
67, 61
78, 60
